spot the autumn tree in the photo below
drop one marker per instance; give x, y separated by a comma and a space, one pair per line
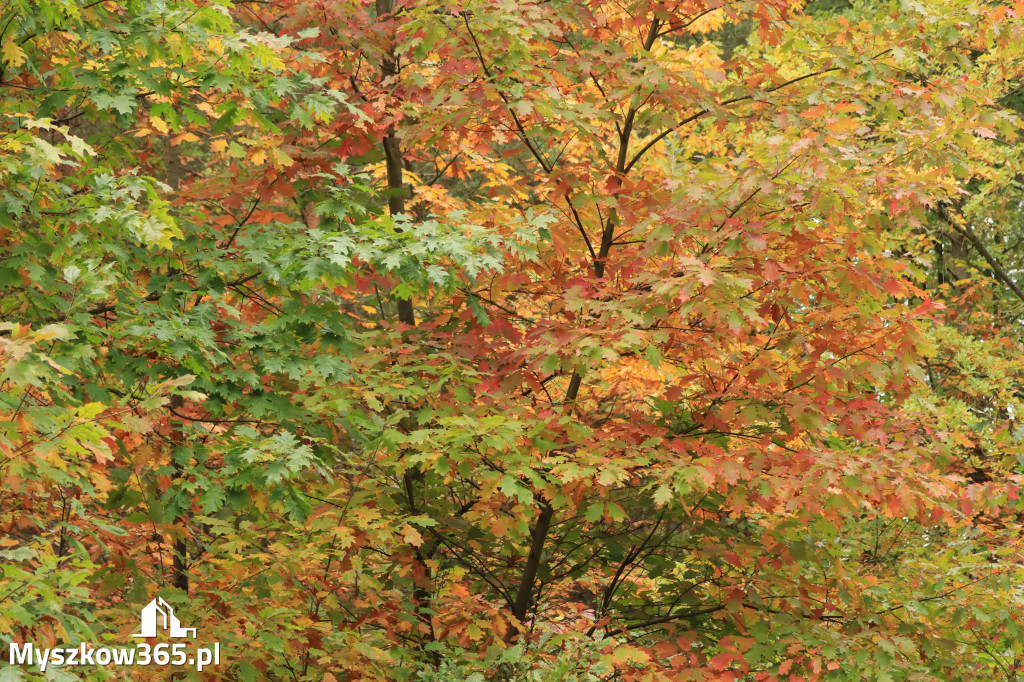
561, 340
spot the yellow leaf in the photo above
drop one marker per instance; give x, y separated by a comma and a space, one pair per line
11, 53
142, 132
258, 157
184, 137
143, 455
218, 145
628, 653
158, 123
411, 535
280, 158
708, 22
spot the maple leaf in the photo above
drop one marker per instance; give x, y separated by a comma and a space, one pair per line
11, 53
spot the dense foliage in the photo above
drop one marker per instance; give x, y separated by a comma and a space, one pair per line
541, 340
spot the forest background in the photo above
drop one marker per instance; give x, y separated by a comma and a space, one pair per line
542, 340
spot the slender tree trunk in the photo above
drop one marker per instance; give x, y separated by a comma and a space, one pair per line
393, 155
396, 192
179, 568
542, 524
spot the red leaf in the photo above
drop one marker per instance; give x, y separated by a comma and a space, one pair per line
895, 287
721, 661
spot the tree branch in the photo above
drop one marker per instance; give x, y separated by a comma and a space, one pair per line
996, 266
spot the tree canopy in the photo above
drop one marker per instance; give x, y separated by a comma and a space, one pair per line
536, 340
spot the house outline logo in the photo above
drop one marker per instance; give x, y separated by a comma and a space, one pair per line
170, 623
